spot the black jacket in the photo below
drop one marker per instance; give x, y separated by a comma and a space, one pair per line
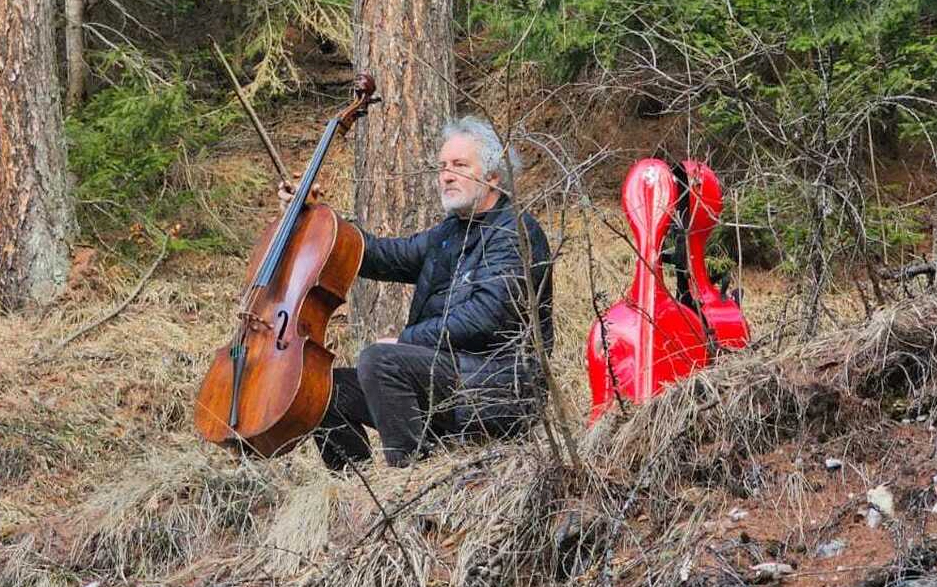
470, 300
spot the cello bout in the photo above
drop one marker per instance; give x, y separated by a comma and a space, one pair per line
286, 377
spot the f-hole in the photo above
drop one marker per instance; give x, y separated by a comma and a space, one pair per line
282, 344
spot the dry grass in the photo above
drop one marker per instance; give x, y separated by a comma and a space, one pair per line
503, 514
168, 510
97, 440
22, 566
300, 527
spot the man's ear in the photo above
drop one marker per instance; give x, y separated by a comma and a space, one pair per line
494, 181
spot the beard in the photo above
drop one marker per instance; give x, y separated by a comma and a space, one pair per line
461, 203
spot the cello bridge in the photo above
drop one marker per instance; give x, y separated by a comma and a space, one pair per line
254, 320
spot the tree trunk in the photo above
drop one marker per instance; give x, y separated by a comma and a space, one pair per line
74, 52
36, 216
819, 207
407, 47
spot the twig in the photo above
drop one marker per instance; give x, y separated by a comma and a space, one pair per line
557, 398
909, 271
387, 521
600, 317
114, 312
605, 573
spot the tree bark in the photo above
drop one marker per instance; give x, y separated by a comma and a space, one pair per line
407, 47
74, 52
36, 215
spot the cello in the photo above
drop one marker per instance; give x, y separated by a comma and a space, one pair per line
648, 338
272, 383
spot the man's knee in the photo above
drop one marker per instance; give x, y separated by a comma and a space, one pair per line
372, 361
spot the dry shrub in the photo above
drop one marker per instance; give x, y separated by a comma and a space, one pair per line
710, 428
509, 516
462, 518
21, 565
168, 510
894, 355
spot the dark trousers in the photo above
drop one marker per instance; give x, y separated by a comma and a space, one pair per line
402, 391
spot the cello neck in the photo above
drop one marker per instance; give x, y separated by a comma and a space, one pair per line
364, 89
288, 221
648, 197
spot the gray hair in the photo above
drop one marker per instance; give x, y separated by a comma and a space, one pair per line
490, 150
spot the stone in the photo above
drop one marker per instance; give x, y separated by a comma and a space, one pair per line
772, 570
833, 464
831, 549
686, 569
873, 518
882, 499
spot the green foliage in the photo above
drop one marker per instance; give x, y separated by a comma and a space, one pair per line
266, 43
867, 51
133, 144
776, 225
895, 228
800, 86
124, 144
565, 36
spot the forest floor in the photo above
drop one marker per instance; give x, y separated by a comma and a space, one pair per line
104, 481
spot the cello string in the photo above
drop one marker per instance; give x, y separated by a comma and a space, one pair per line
272, 259
277, 244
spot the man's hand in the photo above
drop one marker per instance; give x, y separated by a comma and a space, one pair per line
286, 191
387, 341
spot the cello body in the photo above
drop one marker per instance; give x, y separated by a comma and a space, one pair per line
287, 376
271, 385
648, 338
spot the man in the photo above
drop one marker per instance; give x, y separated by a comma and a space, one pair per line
463, 365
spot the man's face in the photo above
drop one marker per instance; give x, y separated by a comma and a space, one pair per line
461, 185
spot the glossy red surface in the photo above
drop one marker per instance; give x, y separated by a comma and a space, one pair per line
648, 338
723, 315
